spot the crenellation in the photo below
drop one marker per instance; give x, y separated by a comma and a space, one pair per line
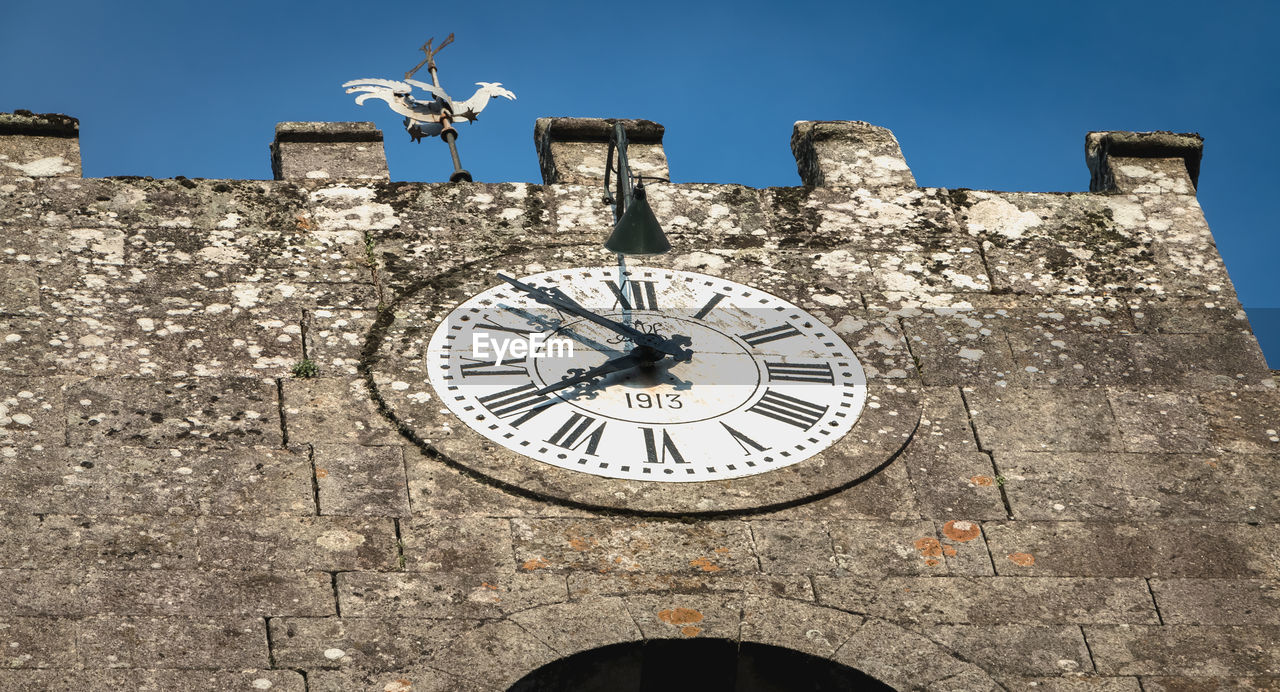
39, 145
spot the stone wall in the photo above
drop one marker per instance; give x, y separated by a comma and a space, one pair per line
1088, 501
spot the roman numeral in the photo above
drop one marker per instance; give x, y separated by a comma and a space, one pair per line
488, 324
711, 304
800, 372
746, 443
523, 400
473, 367
644, 295
659, 455
571, 434
764, 336
788, 409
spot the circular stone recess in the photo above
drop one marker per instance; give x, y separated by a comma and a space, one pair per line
413, 364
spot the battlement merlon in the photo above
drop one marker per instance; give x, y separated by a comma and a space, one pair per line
1144, 162
39, 145
573, 150
311, 150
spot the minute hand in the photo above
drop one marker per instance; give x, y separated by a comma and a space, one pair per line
676, 346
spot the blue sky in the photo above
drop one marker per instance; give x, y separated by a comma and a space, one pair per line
995, 95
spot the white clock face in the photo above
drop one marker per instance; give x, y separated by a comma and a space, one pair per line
767, 385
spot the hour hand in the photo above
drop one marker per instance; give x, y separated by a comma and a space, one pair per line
626, 362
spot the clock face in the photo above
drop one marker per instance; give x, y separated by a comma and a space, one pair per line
767, 385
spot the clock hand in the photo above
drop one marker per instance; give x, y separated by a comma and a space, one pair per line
631, 360
677, 346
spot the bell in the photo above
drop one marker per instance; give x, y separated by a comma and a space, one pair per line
637, 232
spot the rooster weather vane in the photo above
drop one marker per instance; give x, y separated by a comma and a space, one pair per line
434, 117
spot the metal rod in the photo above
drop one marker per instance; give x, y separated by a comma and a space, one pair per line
448, 134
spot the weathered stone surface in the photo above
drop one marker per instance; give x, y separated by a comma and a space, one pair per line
135, 642
991, 601
1159, 422
627, 546
685, 616
596, 622
959, 348
1058, 419
1132, 549
137, 480
1243, 422
867, 547
1217, 601
418, 594
587, 585
908, 660
437, 489
796, 625
32, 415
406, 679
1017, 649
368, 644
151, 680
1210, 684
297, 543
1184, 650
337, 410
232, 593
575, 150
1092, 486
136, 542
474, 545
361, 481
217, 412
38, 643
848, 152
39, 145
495, 655
1071, 683
328, 150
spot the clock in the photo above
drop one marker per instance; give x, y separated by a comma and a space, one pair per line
552, 366
644, 389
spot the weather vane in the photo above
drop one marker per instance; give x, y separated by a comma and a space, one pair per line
433, 117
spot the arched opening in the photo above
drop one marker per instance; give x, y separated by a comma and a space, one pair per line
704, 665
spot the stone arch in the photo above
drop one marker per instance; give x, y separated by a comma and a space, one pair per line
498, 653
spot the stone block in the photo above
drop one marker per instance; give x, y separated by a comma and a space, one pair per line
366, 644
574, 150
361, 481
149, 679
949, 476
334, 339
63, 541
848, 152
1159, 422
426, 594
39, 145
1184, 650
312, 150
25, 342
797, 625
1132, 549
885, 495
495, 655
991, 601
37, 643
140, 642
1016, 649
593, 585
473, 545
214, 593
19, 291
213, 412
1042, 419
959, 348
1217, 601
902, 548
596, 623
620, 545
686, 616
1243, 422
438, 489
1174, 315
297, 543
1114, 486
1071, 683
1110, 155
1059, 243
334, 410
1210, 684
